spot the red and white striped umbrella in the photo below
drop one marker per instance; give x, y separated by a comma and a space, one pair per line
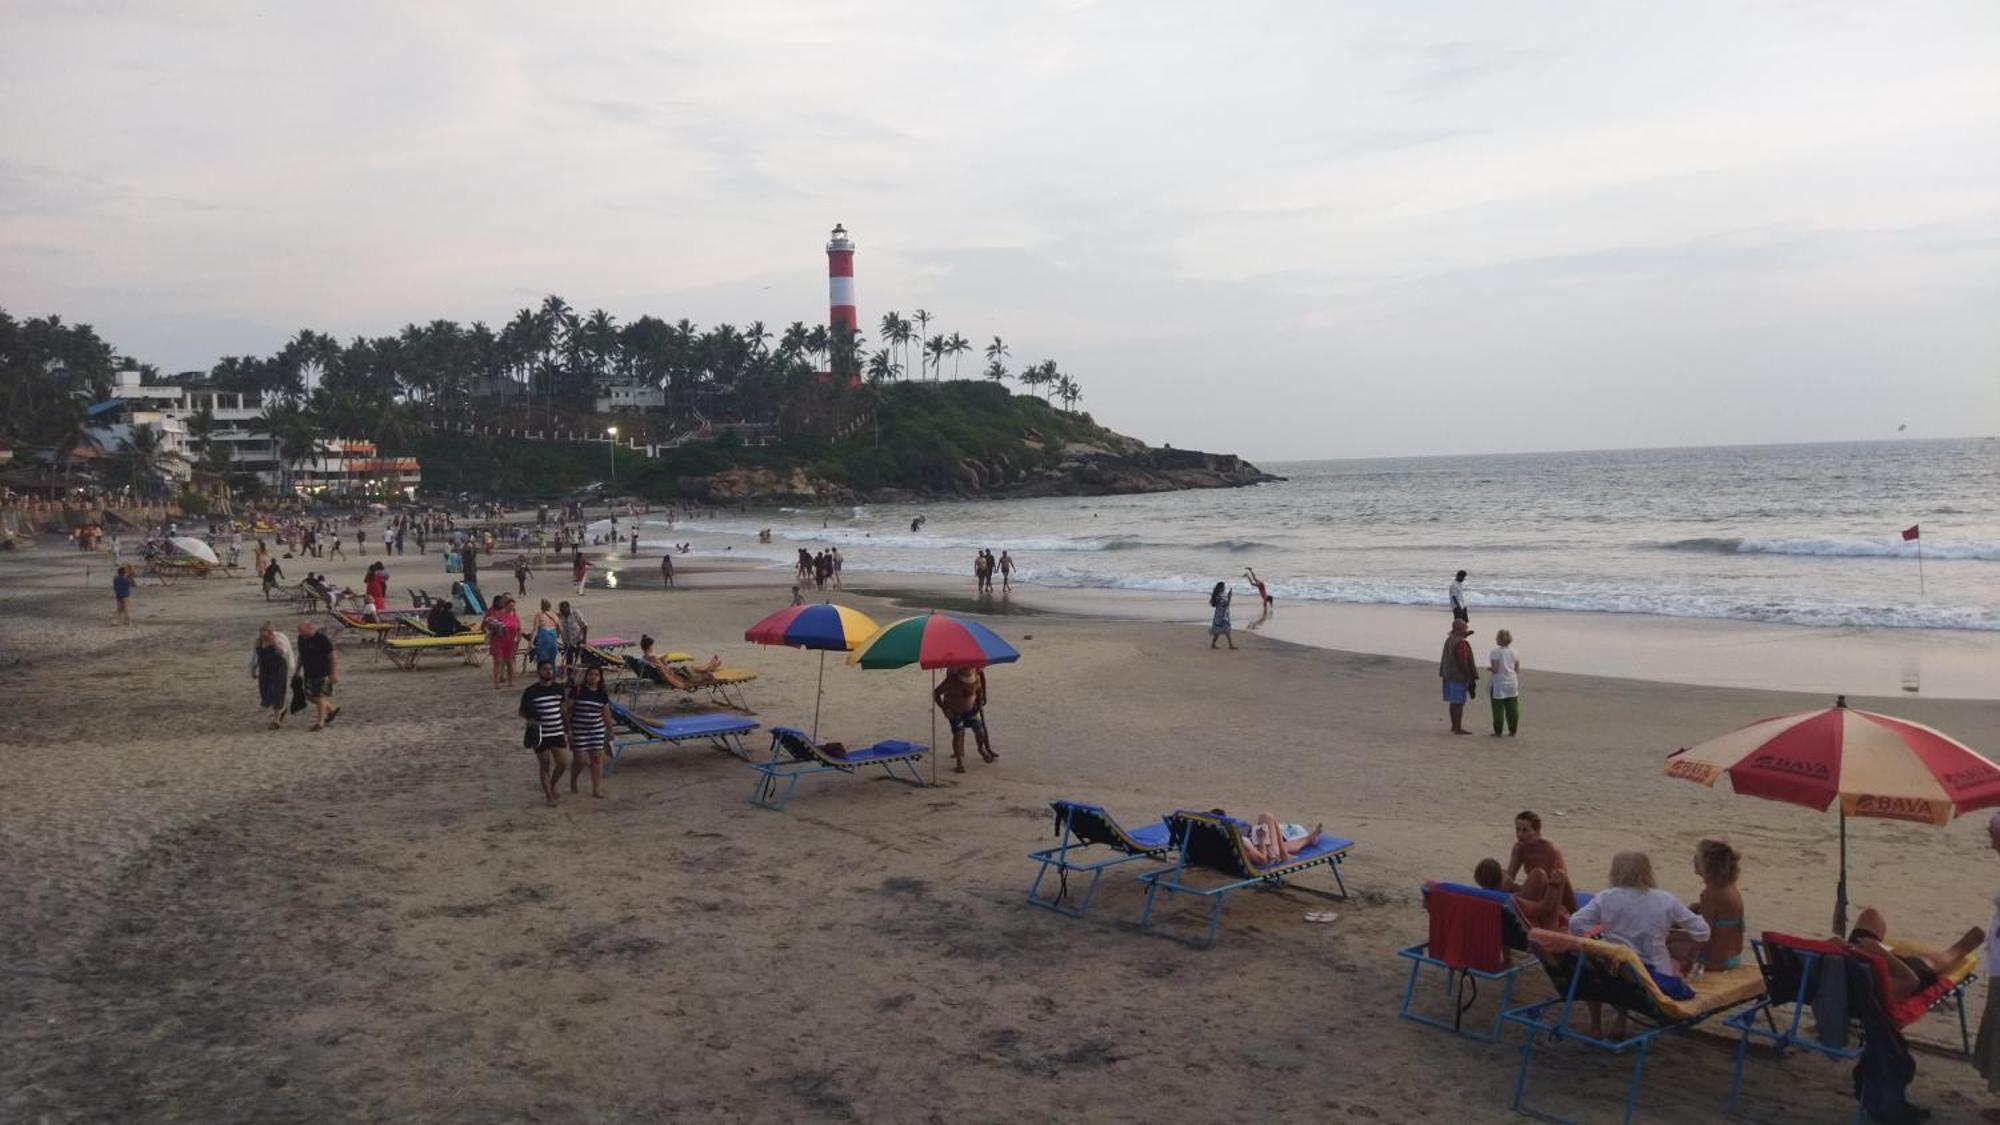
1876, 765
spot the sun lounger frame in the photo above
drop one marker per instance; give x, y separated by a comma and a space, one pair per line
795, 756
642, 731
636, 683
1214, 843
1082, 825
1793, 1036
1570, 971
1513, 936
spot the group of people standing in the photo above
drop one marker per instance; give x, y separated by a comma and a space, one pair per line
985, 566
821, 569
1460, 671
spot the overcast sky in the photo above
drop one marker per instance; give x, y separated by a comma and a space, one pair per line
1287, 230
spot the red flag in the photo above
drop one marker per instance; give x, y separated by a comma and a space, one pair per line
1909, 533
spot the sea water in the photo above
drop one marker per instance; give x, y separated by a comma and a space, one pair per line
1807, 535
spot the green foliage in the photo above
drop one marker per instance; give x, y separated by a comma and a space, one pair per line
927, 433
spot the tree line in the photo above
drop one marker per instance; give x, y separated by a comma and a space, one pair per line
548, 359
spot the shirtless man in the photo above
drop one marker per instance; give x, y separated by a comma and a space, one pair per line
1534, 854
1909, 972
962, 698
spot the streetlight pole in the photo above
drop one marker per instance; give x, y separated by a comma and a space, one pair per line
613, 431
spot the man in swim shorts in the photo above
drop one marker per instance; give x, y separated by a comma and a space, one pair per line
962, 698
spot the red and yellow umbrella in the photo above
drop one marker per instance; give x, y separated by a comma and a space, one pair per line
1874, 765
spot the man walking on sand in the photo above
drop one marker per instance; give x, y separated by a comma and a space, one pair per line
1459, 673
667, 569
579, 569
317, 665
1457, 594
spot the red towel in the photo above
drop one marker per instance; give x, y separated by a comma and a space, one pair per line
1465, 931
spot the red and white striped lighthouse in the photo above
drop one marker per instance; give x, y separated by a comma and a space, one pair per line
840, 282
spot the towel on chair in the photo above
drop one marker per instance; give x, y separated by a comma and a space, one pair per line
1465, 931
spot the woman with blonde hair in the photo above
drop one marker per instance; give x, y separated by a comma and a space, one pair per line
1635, 912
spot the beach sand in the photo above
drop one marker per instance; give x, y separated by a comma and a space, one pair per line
211, 921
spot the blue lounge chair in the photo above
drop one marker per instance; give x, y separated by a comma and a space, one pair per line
1215, 843
1083, 826
794, 755
1467, 959
725, 731
1469, 953
1603, 972
474, 601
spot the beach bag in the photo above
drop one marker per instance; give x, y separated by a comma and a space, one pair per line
298, 693
532, 739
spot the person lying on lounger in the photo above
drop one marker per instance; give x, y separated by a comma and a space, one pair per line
686, 678
1270, 842
1909, 973
1538, 899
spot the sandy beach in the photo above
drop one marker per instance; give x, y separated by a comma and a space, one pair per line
212, 921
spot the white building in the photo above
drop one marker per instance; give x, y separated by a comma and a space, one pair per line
631, 397
338, 466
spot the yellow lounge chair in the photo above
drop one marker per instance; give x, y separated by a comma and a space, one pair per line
404, 652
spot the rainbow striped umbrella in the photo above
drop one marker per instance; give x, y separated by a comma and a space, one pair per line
934, 640
820, 625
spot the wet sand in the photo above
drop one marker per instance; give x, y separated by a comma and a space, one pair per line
381, 920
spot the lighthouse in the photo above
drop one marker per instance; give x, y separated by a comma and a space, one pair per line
841, 319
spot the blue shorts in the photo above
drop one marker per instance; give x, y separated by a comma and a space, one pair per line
971, 720
1454, 692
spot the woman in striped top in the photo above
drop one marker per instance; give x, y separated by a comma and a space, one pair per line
588, 710
542, 706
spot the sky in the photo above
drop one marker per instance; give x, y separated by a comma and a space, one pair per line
1287, 230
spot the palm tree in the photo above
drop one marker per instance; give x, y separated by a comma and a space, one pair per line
881, 366
957, 346
142, 451
996, 353
996, 371
1068, 390
902, 337
934, 352
891, 320
923, 326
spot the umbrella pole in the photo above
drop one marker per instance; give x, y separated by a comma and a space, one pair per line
819, 693
1840, 894
935, 749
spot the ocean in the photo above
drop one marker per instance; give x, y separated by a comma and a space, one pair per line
1805, 535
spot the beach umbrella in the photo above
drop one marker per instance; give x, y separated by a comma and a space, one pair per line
1874, 765
189, 545
822, 626
933, 641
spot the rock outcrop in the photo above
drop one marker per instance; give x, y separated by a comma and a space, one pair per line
1115, 466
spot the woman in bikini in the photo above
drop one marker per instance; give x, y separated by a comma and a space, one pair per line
1270, 842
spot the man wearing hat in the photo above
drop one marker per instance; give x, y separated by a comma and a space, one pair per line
1459, 673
